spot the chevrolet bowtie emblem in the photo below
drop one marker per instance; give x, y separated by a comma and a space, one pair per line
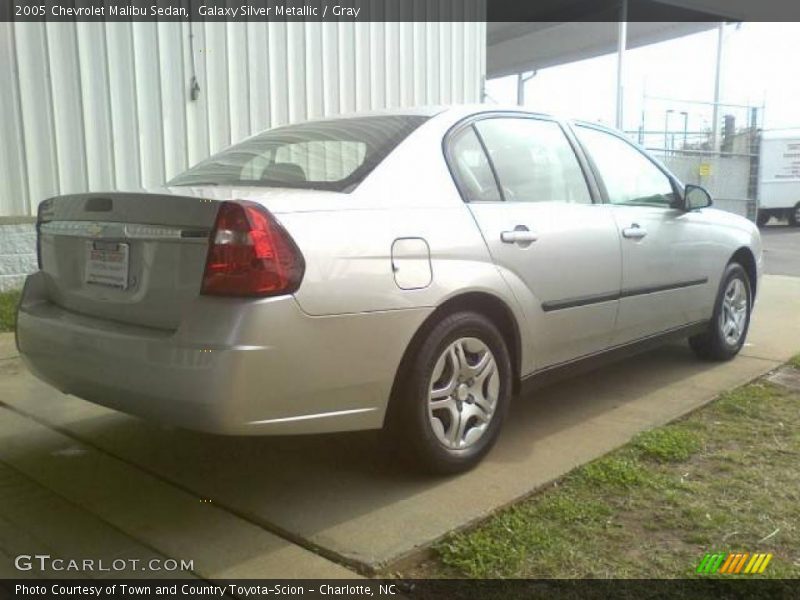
94, 230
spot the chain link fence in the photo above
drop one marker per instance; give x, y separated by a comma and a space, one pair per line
724, 160
729, 177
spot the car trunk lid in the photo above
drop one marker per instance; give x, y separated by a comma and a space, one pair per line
136, 258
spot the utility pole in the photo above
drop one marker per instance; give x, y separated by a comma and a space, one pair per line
644, 109
715, 117
685, 127
622, 43
522, 79
668, 112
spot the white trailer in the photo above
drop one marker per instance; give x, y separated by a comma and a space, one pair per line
779, 176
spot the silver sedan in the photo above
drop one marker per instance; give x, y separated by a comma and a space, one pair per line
411, 270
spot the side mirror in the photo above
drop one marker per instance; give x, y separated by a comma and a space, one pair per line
695, 196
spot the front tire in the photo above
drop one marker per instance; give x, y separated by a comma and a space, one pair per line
794, 215
452, 397
762, 218
731, 320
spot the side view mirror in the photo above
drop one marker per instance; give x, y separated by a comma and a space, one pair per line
695, 196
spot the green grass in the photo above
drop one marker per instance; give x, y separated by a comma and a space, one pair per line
725, 478
669, 444
8, 310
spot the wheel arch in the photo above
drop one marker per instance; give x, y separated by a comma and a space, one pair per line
490, 306
744, 256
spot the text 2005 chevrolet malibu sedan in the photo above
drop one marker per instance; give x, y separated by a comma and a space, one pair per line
409, 270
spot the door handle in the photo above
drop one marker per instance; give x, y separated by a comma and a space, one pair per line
634, 232
520, 235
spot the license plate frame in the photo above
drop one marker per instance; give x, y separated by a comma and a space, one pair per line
107, 264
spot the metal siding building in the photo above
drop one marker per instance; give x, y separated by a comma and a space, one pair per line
93, 106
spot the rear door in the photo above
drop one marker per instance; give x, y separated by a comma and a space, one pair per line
557, 249
664, 258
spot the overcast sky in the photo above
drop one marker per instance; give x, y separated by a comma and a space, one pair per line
760, 66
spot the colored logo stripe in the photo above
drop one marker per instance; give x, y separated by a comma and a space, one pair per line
710, 563
734, 563
763, 565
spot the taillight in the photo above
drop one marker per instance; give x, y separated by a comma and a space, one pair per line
250, 254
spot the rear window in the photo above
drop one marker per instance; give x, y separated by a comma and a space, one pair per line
328, 155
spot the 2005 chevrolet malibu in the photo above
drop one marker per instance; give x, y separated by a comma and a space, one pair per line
412, 270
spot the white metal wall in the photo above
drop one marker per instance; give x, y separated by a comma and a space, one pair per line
94, 106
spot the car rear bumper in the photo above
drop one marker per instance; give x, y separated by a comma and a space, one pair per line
234, 366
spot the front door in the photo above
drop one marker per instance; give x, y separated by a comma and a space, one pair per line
663, 264
558, 251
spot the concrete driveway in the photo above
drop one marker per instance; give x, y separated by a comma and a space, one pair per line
81, 479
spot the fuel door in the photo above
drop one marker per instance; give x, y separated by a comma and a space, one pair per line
411, 263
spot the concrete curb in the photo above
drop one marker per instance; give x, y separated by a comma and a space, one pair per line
8, 347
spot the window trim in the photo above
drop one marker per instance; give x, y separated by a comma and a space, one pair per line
450, 161
677, 187
595, 193
489, 162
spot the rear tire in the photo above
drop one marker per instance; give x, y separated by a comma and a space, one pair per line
794, 215
763, 218
728, 327
452, 396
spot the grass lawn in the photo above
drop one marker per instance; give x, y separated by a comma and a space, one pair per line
8, 310
724, 479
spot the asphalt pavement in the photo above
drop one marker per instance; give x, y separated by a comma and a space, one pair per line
781, 249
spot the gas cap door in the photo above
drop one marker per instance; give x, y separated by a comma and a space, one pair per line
411, 263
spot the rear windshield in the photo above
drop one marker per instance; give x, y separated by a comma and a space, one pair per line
328, 155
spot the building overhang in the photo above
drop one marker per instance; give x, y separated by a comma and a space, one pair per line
547, 33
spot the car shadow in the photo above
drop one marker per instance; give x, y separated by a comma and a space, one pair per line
310, 485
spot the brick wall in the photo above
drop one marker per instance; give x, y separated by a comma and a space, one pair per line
17, 251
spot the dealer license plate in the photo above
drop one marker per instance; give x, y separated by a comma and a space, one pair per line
107, 264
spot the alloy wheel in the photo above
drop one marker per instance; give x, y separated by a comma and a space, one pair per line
733, 316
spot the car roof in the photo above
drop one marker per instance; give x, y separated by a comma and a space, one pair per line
460, 111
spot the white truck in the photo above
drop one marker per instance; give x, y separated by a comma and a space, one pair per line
779, 177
